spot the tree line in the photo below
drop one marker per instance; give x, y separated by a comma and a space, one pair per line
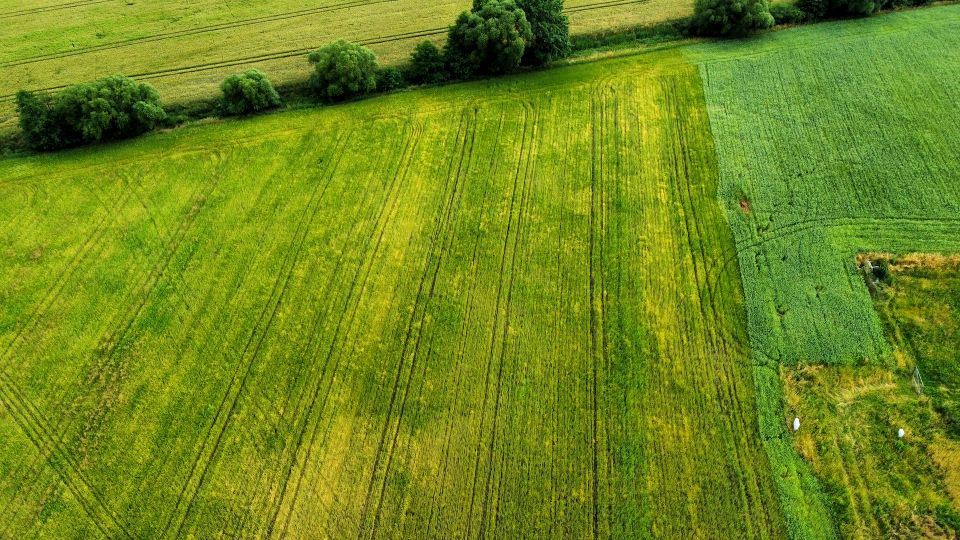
494, 37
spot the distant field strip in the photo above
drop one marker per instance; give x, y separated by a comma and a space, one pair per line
833, 139
488, 310
187, 48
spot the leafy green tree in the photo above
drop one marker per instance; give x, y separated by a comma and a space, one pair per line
814, 9
114, 107
390, 78
731, 18
342, 70
852, 8
488, 40
822, 9
40, 130
427, 65
551, 31
247, 93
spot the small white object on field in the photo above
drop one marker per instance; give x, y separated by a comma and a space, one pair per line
796, 424
901, 433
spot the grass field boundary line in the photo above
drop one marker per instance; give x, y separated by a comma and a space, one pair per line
250, 351
55, 7
371, 248
825, 222
523, 175
466, 134
163, 36
691, 218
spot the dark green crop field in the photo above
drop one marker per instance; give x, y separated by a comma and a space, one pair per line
833, 140
583, 302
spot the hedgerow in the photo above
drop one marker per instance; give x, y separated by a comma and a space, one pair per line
111, 108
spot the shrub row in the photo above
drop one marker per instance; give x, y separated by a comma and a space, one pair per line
493, 38
110, 108
737, 18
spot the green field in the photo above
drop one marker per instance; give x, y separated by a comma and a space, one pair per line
833, 139
186, 48
563, 304
473, 311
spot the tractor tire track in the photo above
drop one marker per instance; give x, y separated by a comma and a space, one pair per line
222, 418
523, 175
495, 331
447, 247
334, 353
64, 276
46, 9
493, 169
56, 446
455, 175
33, 425
598, 114
372, 247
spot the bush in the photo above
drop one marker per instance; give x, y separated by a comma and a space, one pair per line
488, 40
111, 108
551, 31
813, 9
247, 93
787, 14
390, 78
342, 70
852, 8
731, 18
427, 65
821, 9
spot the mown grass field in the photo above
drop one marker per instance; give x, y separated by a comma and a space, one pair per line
488, 310
833, 140
186, 48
